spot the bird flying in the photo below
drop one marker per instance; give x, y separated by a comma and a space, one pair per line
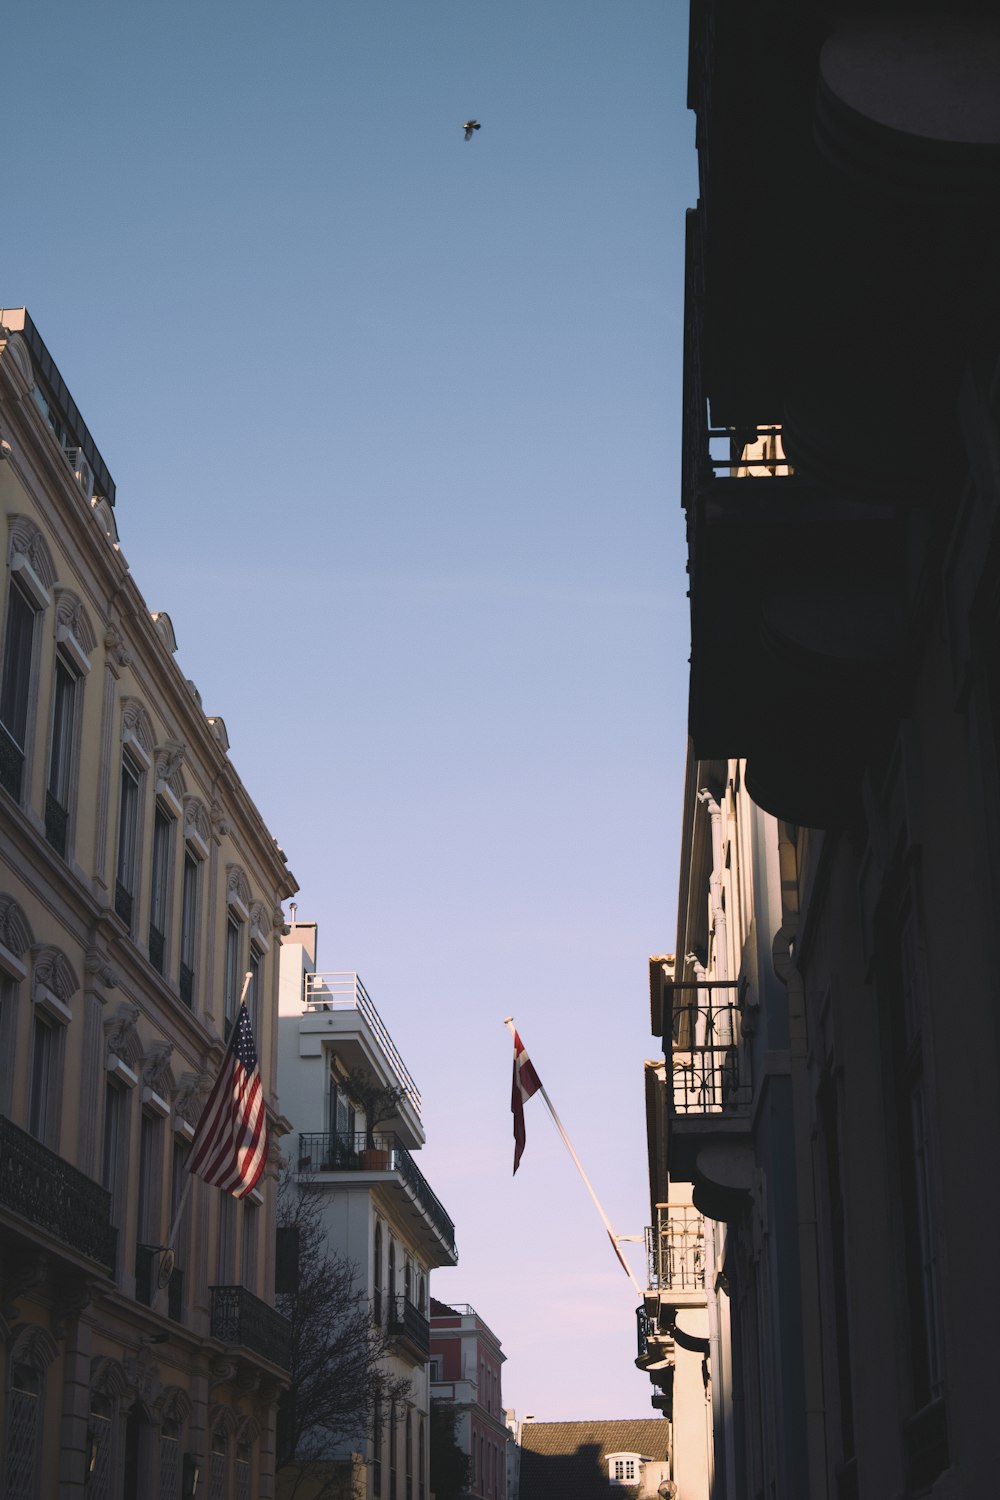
469, 127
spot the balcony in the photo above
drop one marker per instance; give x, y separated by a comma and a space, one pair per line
407, 1324
52, 1196
241, 1319
344, 992
675, 1254
323, 1152
709, 1087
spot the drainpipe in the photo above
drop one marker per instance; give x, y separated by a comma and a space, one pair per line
720, 949
805, 1188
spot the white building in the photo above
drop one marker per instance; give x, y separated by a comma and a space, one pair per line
379, 1210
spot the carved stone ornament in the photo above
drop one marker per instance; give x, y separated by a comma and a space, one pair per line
144, 1376
220, 1371
123, 1035
101, 969
71, 614
108, 1377
17, 350
196, 821
156, 1071
28, 542
188, 1093
169, 758
53, 970
220, 822
114, 645
33, 1346
15, 934
137, 725
105, 518
164, 629
237, 886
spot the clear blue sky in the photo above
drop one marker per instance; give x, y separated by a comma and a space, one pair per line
395, 424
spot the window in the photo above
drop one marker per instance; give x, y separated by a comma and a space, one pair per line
41, 1098
377, 1447
15, 686
128, 838
100, 1435
170, 1465
227, 1209
163, 827
189, 927
61, 748
377, 1277
248, 1277
392, 1451
253, 993
234, 971
408, 1455
623, 1468
147, 1222
114, 1135
243, 1471
421, 1460
24, 1416
218, 1462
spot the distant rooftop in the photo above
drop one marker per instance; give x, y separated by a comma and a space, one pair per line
63, 412
569, 1460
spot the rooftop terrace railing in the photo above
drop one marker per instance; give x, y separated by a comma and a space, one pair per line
343, 990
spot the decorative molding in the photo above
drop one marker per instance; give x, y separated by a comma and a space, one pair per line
114, 645
108, 1377
73, 619
217, 725
105, 517
33, 1346
164, 629
187, 1095
237, 889
29, 545
197, 827
137, 726
174, 1405
101, 969
220, 822
122, 1034
169, 776
261, 926
53, 971
17, 351
15, 931
157, 1073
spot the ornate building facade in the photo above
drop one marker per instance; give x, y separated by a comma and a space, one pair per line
833, 1092
138, 884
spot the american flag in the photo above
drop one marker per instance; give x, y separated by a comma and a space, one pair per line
526, 1083
230, 1144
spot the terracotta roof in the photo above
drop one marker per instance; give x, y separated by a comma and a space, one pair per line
568, 1460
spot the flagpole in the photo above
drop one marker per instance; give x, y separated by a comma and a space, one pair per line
509, 1023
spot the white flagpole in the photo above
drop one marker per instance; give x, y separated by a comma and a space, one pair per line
614, 1238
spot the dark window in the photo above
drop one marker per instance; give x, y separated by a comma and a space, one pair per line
189, 927
15, 686
128, 839
160, 887
234, 971
61, 755
40, 1101
377, 1447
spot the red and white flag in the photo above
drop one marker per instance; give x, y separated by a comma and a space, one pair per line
526, 1083
229, 1148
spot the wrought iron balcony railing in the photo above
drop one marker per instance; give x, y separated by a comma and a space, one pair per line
344, 991
711, 1070
54, 1196
675, 1249
406, 1321
356, 1151
240, 1318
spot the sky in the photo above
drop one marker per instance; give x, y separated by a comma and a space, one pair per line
395, 426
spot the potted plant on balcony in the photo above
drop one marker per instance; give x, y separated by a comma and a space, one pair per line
379, 1103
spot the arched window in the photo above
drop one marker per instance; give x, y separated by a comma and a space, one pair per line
30, 579
218, 1464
